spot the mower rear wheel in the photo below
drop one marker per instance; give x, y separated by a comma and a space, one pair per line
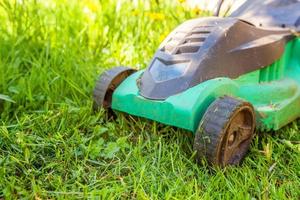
106, 84
225, 132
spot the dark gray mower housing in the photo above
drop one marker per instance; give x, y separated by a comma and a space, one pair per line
253, 37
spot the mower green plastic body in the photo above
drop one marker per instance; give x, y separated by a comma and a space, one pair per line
274, 91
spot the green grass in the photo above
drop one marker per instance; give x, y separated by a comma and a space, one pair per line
53, 146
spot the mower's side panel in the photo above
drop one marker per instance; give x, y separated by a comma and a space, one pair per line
276, 94
276, 103
183, 110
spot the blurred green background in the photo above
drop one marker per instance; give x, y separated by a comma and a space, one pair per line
53, 146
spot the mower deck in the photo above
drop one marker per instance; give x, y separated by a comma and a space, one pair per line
274, 91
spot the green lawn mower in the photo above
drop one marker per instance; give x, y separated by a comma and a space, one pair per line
219, 78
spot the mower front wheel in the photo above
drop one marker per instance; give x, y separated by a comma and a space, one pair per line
225, 132
106, 84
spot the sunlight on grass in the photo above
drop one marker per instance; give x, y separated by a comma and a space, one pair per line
53, 146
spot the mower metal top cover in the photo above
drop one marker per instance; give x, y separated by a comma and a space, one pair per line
206, 48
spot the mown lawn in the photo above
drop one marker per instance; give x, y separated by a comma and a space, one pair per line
53, 146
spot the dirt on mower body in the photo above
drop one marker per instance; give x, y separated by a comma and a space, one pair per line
218, 78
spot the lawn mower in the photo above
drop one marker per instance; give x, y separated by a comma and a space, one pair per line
220, 78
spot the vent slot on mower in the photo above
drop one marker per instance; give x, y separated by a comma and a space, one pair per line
187, 42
